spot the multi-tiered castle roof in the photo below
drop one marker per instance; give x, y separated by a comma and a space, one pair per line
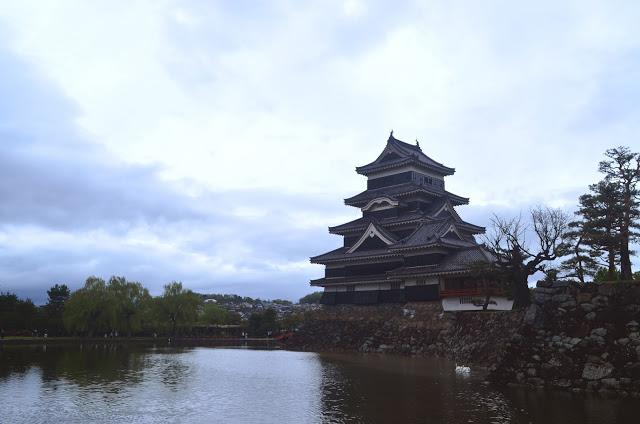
409, 233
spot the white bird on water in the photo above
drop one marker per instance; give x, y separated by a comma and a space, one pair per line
462, 369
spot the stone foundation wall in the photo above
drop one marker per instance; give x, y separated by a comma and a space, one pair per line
419, 328
580, 338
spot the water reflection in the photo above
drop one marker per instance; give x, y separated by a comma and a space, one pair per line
119, 383
396, 389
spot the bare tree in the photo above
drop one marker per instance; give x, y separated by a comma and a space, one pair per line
518, 257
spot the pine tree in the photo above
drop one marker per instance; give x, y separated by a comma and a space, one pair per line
582, 262
598, 227
623, 171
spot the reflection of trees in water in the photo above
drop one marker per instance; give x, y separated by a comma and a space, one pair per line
89, 363
173, 371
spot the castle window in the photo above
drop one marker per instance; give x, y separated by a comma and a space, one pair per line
395, 285
351, 288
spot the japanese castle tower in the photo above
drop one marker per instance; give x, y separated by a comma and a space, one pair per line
409, 244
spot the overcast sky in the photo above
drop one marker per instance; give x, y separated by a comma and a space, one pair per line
213, 142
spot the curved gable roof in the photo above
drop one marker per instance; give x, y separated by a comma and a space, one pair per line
398, 153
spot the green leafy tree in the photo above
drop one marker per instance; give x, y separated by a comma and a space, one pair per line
622, 170
89, 310
54, 309
130, 303
311, 298
213, 314
177, 308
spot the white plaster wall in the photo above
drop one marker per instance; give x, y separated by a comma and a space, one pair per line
453, 304
364, 287
432, 280
427, 281
335, 289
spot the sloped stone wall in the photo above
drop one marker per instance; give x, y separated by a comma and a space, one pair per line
580, 338
419, 328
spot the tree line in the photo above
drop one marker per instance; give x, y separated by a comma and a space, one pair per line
113, 307
119, 307
594, 246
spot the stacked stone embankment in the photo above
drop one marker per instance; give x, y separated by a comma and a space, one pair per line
420, 328
574, 337
582, 338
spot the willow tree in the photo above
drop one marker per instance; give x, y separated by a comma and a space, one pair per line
177, 307
130, 303
89, 310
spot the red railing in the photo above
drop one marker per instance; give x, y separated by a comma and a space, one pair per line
470, 292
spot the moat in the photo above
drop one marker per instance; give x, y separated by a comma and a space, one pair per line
104, 383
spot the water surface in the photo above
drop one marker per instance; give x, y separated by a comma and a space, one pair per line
105, 383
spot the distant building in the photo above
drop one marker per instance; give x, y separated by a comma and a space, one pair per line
410, 243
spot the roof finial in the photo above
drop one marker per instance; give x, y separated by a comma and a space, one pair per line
417, 143
391, 134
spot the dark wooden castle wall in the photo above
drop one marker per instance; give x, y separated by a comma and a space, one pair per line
365, 269
403, 177
371, 297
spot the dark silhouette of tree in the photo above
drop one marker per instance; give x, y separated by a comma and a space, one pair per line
600, 215
54, 309
16, 315
516, 257
262, 323
622, 170
582, 262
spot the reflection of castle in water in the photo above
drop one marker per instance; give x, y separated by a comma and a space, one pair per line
361, 389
